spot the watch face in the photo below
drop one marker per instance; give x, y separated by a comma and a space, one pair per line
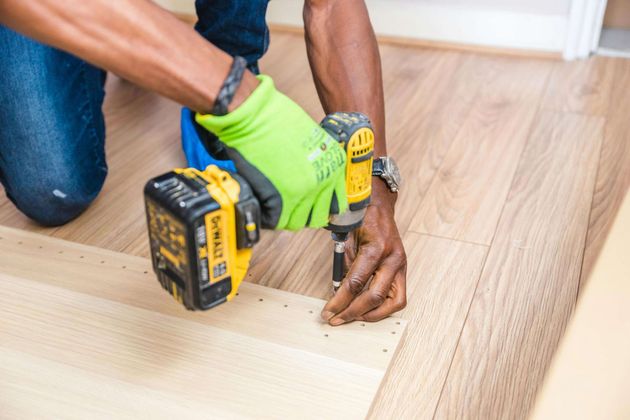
391, 172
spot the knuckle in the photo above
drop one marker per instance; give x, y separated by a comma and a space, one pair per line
355, 285
374, 251
399, 254
377, 297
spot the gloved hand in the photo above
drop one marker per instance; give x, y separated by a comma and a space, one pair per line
297, 171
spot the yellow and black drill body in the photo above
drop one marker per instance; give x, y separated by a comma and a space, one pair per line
202, 227
203, 224
354, 132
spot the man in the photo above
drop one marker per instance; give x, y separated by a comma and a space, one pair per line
52, 160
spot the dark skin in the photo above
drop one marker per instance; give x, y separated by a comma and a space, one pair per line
346, 68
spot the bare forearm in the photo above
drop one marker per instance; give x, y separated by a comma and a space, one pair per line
133, 38
345, 60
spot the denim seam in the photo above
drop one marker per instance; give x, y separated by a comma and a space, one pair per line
90, 114
265, 37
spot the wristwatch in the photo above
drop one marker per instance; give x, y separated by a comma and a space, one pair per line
386, 169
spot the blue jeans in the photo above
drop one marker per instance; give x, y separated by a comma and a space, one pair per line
52, 131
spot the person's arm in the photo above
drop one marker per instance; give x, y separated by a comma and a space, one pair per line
147, 45
135, 39
346, 66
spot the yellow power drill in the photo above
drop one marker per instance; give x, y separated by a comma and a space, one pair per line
203, 224
354, 132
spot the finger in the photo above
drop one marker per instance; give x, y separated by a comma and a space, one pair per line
353, 283
321, 209
341, 194
372, 298
299, 216
351, 253
396, 301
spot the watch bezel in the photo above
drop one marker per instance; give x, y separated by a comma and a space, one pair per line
390, 173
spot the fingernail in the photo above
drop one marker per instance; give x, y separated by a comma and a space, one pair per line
326, 315
336, 321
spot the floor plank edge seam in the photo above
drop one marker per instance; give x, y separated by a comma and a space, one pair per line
461, 331
461, 241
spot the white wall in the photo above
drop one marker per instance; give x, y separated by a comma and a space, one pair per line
540, 25
514, 24
543, 7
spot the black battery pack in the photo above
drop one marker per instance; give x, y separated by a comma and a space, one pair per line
194, 239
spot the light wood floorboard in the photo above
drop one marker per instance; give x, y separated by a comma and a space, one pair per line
465, 199
530, 279
581, 86
445, 271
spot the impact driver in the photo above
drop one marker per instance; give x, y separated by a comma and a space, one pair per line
203, 224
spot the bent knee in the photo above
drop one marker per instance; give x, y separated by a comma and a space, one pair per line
54, 203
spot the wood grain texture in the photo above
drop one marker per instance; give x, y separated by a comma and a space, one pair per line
465, 199
581, 86
445, 274
590, 374
613, 177
105, 330
446, 85
529, 282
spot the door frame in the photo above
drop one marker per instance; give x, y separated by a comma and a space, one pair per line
586, 19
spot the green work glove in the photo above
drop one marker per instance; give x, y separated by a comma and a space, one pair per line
297, 171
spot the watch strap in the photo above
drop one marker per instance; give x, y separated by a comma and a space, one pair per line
229, 87
377, 167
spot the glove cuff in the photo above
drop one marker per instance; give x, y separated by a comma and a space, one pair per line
249, 108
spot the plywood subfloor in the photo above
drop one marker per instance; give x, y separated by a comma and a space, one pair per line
87, 333
514, 170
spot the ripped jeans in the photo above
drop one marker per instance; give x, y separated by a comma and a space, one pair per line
52, 130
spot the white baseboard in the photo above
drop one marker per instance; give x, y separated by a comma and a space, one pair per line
434, 22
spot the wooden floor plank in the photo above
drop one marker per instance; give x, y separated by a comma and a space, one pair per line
421, 136
613, 178
99, 317
465, 199
529, 282
443, 271
580, 86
